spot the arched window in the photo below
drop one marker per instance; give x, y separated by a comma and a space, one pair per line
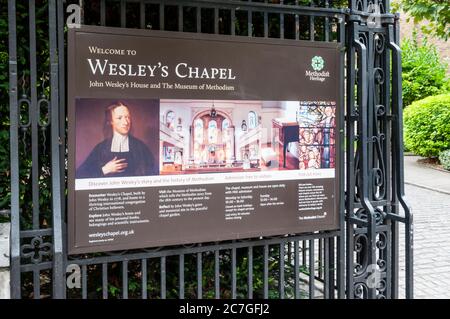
198, 139
226, 139
254, 151
212, 132
213, 139
252, 120
225, 124
198, 131
170, 119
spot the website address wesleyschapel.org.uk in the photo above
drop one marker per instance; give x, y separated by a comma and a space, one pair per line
109, 236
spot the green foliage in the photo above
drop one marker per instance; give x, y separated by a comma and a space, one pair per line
4, 111
427, 125
24, 89
444, 158
424, 73
436, 12
115, 281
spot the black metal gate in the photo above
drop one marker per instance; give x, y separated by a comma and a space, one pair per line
359, 261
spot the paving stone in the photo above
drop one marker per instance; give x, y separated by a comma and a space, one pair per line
431, 243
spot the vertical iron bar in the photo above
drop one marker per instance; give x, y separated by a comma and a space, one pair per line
296, 269
391, 280
395, 257
36, 284
199, 276
233, 21
58, 261
163, 277
397, 158
180, 18
304, 253
326, 271
199, 19
105, 280
217, 274
289, 253
297, 27
320, 260
14, 153
327, 24
144, 279
125, 279
249, 23
388, 257
281, 22
102, 12
266, 272
311, 269
266, 24
161, 16
81, 3
181, 271
123, 14
142, 14
62, 116
34, 112
84, 282
311, 24
332, 270
281, 270
216, 20
281, 25
371, 61
233, 273
381, 120
340, 263
350, 160
391, 192
250, 272
350, 262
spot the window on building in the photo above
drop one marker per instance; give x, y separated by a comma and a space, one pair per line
252, 120
170, 120
212, 132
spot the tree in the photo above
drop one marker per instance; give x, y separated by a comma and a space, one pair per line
424, 72
436, 12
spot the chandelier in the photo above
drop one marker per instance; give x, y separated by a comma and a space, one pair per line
213, 112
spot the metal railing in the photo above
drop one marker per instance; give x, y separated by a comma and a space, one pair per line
325, 264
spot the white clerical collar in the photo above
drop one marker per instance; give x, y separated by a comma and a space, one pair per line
119, 143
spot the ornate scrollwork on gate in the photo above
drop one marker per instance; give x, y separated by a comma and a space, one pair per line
360, 250
36, 250
369, 103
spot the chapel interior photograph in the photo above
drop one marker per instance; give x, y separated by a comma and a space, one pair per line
208, 136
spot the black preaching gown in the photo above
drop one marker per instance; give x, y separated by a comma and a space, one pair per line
140, 160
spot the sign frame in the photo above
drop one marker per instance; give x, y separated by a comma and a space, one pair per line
71, 216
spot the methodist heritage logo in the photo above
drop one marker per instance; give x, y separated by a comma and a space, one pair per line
317, 63
319, 74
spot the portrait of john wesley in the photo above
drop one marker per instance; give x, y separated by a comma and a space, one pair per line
120, 154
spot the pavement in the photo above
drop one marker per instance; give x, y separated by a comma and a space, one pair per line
428, 193
425, 177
